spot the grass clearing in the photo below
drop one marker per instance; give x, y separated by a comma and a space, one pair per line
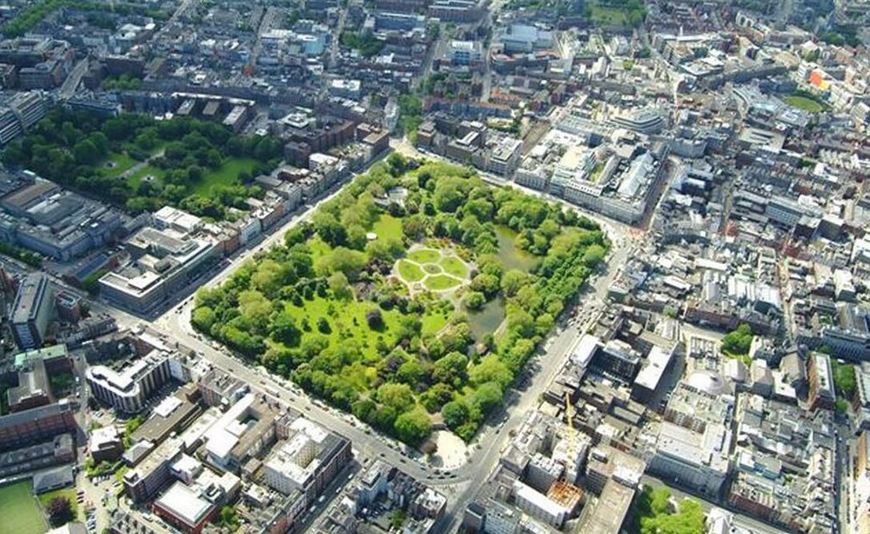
122, 163
425, 255
347, 319
226, 174
387, 227
440, 282
68, 493
804, 103
410, 272
148, 170
434, 321
453, 265
19, 511
431, 268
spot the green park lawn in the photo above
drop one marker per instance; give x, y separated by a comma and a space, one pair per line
148, 170
804, 103
226, 174
434, 321
453, 265
388, 227
410, 272
425, 255
122, 163
18, 510
440, 282
349, 316
608, 15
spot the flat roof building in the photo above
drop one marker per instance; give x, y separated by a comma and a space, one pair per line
128, 390
32, 311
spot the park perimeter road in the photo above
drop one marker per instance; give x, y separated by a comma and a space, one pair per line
466, 480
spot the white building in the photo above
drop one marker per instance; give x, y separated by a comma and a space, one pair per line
128, 390
698, 460
539, 505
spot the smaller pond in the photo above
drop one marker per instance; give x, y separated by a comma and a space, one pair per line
487, 320
509, 254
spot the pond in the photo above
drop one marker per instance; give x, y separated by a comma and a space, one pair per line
487, 320
509, 254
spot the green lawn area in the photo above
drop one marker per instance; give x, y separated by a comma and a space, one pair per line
410, 272
350, 317
226, 174
615, 12
425, 255
440, 282
431, 268
453, 265
434, 321
148, 170
69, 493
18, 510
122, 161
388, 226
608, 15
804, 103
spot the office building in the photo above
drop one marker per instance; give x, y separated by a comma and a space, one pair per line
539, 505
128, 389
162, 262
697, 460
32, 311
307, 460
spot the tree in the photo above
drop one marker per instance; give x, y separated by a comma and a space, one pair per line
486, 284
374, 319
323, 326
341, 259
413, 426
203, 318
594, 255
449, 194
738, 341
284, 328
455, 414
339, 286
60, 511
490, 369
512, 281
450, 369
487, 396
229, 519
86, 153
474, 300
411, 373
844, 379
396, 396
255, 307
364, 409
434, 398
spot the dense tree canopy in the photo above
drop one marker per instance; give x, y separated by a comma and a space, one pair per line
71, 147
326, 310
